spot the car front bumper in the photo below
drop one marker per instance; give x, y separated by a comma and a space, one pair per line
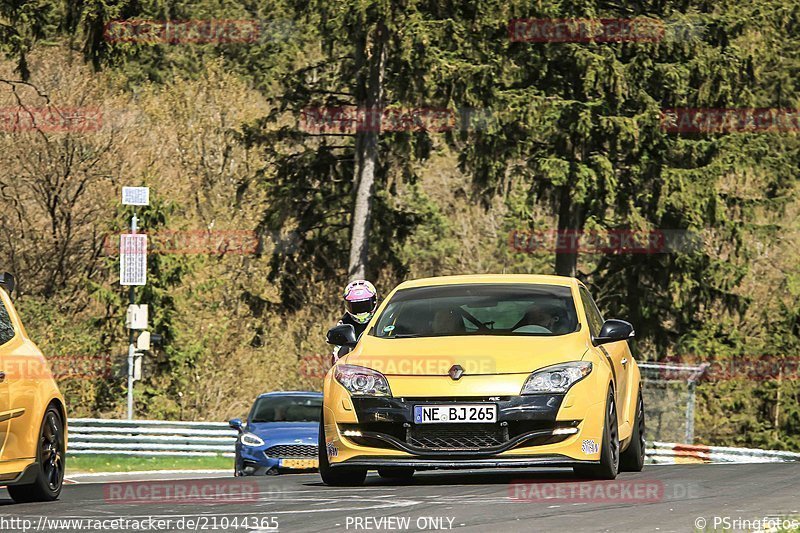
535, 430
253, 461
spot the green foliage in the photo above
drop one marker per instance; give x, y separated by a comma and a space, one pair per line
23, 24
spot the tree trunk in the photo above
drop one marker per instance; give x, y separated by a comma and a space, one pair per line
568, 236
367, 156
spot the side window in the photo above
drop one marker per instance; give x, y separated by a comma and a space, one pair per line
592, 313
6, 326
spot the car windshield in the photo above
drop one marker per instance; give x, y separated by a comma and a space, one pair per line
478, 309
288, 408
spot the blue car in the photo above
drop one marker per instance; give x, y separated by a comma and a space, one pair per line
280, 435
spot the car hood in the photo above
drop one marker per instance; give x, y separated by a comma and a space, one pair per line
287, 432
477, 355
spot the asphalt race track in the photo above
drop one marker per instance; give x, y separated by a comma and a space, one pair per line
661, 498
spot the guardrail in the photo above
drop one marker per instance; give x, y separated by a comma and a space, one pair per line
675, 453
150, 437
189, 439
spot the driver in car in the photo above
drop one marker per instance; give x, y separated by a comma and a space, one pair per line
539, 317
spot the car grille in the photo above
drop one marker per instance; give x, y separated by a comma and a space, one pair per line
293, 451
443, 438
457, 436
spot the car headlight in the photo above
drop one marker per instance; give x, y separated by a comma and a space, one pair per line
360, 381
249, 439
556, 378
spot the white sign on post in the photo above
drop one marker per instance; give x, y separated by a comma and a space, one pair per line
136, 196
137, 317
143, 341
132, 259
137, 367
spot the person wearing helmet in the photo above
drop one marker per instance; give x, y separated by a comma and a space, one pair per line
360, 303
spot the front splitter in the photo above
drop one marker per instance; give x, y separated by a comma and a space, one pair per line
425, 463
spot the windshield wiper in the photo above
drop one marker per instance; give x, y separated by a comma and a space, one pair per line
405, 336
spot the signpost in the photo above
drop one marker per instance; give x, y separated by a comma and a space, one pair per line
132, 273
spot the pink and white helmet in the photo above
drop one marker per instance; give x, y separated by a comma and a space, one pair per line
360, 300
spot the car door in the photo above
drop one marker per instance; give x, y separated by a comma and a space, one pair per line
7, 335
617, 353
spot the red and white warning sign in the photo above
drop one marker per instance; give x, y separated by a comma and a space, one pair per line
132, 259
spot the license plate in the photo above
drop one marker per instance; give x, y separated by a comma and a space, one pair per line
300, 464
456, 413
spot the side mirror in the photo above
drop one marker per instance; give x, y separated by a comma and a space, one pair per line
614, 330
342, 335
8, 282
236, 423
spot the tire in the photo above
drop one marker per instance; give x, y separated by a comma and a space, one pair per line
341, 476
238, 467
398, 473
609, 451
50, 466
632, 459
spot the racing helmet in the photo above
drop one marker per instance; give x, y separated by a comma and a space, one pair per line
360, 300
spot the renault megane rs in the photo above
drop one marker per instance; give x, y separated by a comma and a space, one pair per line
483, 371
33, 421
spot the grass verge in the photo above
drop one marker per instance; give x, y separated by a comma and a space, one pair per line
117, 463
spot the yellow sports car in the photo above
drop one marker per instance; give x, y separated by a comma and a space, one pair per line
33, 422
483, 371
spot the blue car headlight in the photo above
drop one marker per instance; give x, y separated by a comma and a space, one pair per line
250, 439
556, 378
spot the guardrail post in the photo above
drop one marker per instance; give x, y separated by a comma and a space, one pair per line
689, 435
690, 401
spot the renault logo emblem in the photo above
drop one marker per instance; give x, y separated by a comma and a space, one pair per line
456, 372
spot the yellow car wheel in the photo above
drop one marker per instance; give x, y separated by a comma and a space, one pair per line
632, 459
50, 457
609, 452
342, 476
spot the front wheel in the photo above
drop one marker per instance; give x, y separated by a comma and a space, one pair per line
238, 466
609, 451
50, 467
342, 476
632, 459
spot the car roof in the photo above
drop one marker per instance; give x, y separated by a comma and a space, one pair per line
490, 278
291, 393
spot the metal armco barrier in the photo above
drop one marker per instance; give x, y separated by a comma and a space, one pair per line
150, 437
156, 437
673, 453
